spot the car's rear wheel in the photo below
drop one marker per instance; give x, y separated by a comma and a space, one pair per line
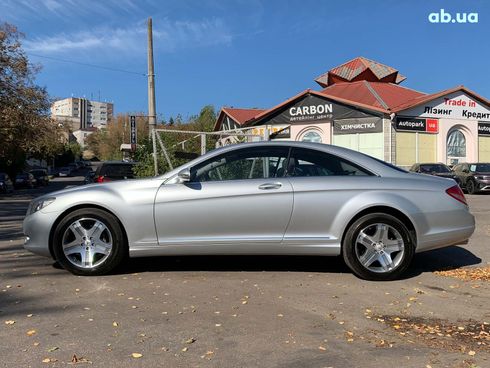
378, 246
89, 241
470, 187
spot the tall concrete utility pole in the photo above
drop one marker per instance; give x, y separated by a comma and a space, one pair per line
152, 117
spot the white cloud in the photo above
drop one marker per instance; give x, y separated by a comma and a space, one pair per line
168, 36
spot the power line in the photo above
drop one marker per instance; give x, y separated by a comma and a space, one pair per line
89, 65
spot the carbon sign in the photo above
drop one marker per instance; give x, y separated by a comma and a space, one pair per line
133, 132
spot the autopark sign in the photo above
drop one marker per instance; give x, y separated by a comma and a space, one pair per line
484, 128
417, 124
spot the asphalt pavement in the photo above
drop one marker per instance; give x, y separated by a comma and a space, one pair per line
242, 311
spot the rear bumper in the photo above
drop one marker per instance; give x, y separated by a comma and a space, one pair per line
447, 229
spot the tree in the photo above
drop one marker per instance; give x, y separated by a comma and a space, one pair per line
106, 143
26, 129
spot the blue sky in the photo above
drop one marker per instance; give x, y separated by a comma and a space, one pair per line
243, 53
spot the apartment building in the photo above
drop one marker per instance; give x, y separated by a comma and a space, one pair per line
81, 113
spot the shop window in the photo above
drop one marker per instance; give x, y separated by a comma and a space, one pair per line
484, 149
312, 136
456, 144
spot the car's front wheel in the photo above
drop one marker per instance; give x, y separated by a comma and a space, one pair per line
378, 246
89, 241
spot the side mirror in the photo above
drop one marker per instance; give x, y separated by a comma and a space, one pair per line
184, 175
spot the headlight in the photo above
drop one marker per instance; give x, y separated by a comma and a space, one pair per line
39, 204
479, 178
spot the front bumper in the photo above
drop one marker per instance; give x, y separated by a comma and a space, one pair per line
36, 228
483, 185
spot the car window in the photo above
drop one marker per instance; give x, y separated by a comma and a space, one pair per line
307, 162
482, 167
122, 171
249, 163
434, 168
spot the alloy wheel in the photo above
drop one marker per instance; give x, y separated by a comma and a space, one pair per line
87, 242
379, 248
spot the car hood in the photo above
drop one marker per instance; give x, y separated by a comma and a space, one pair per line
114, 186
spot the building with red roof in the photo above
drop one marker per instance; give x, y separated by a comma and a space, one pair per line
362, 106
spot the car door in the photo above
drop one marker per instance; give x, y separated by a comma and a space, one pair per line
322, 184
238, 197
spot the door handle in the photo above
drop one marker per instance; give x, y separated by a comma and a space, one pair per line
268, 186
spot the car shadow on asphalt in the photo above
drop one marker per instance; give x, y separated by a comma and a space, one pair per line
435, 260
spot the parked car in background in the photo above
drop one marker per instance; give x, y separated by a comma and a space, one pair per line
65, 171
41, 175
25, 180
73, 167
474, 177
89, 177
114, 170
6, 185
436, 169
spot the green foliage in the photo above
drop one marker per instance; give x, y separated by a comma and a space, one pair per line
25, 127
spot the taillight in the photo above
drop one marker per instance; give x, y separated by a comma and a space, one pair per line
102, 179
457, 194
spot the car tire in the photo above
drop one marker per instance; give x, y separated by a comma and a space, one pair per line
471, 187
372, 242
78, 253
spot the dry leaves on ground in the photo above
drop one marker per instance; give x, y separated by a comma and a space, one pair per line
468, 274
464, 336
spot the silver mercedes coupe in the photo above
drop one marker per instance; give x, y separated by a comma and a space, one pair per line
281, 198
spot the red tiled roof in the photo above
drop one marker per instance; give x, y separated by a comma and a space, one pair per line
377, 94
242, 115
425, 98
239, 115
360, 68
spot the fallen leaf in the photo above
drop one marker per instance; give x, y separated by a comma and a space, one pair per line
115, 324
471, 352
136, 355
185, 349
323, 348
31, 332
54, 348
190, 341
10, 322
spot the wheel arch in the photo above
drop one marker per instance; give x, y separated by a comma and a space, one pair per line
386, 210
79, 207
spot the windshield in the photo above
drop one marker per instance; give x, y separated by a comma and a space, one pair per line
434, 168
480, 168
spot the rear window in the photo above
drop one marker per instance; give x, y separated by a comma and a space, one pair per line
116, 170
435, 168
